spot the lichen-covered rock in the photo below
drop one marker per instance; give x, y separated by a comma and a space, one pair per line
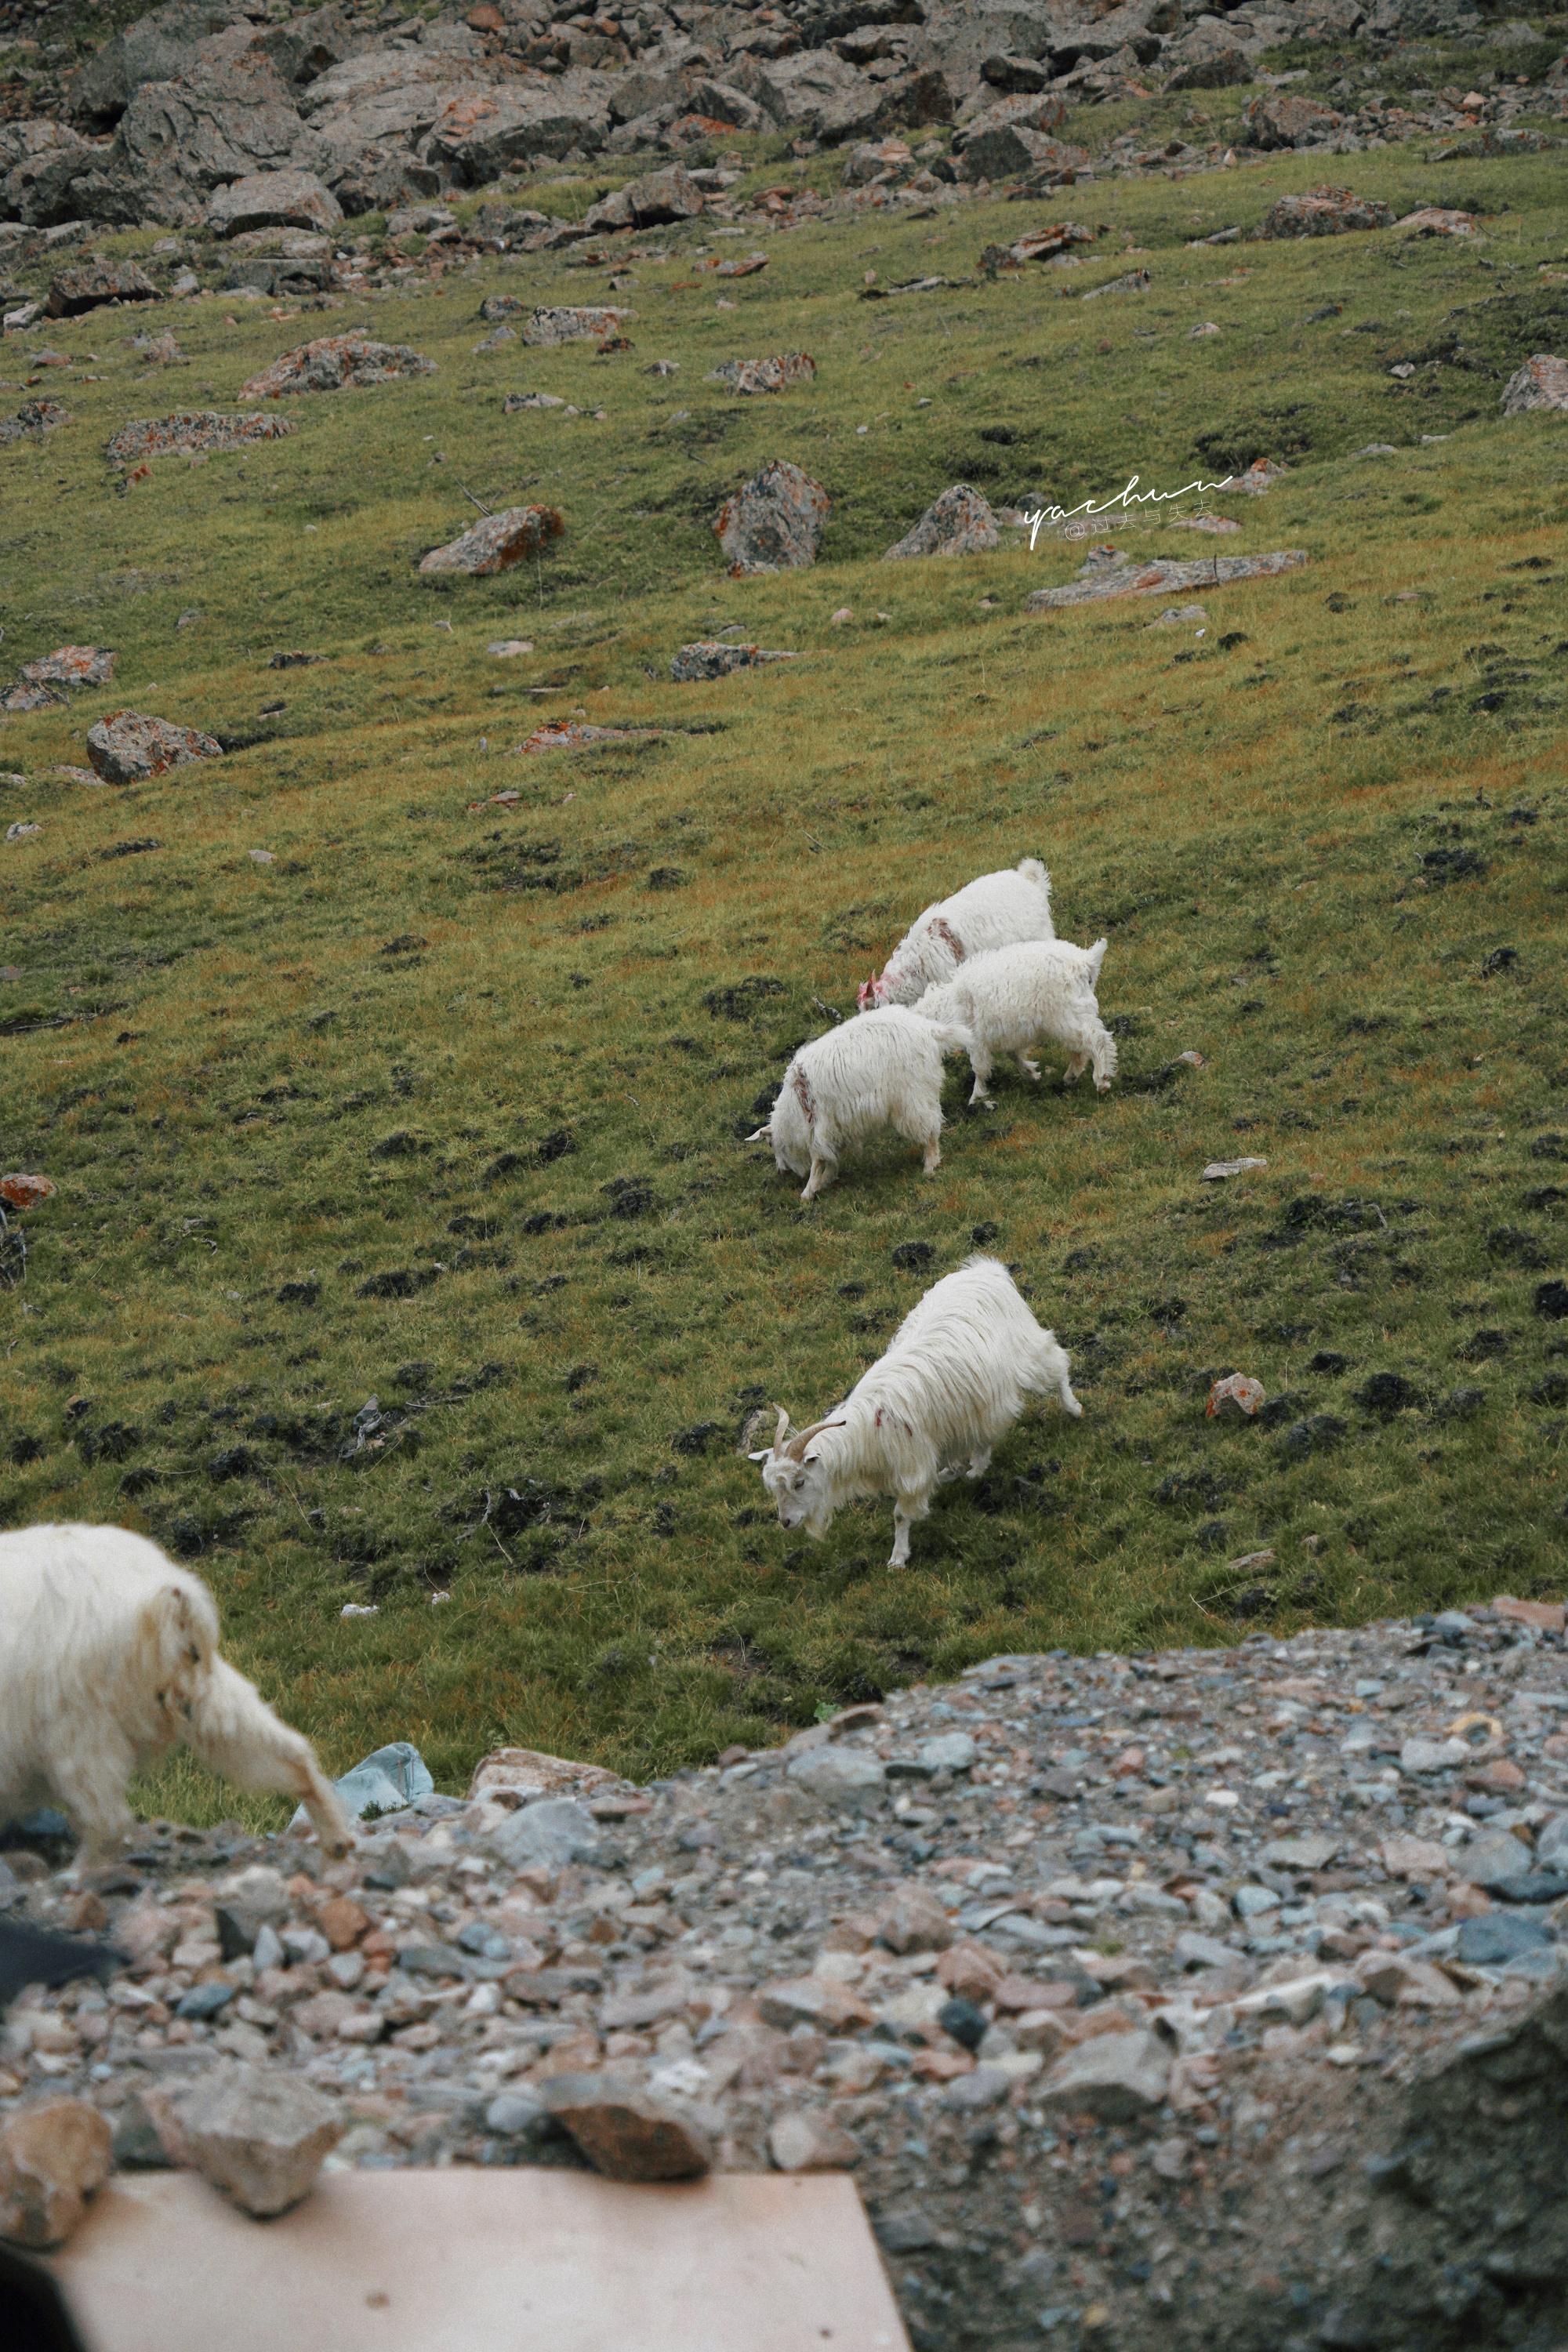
1540, 383
959, 523
274, 200
96, 283
33, 420
497, 541
48, 679
20, 1190
1324, 212
481, 132
1120, 576
572, 323
335, 363
773, 523
1283, 121
127, 748
53, 2157
710, 659
261, 2138
766, 375
190, 432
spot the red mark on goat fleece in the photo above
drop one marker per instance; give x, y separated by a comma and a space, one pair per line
803, 1089
949, 937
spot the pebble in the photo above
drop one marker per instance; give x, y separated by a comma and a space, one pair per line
260, 2135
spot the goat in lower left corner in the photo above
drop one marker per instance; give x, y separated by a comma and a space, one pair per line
108, 1656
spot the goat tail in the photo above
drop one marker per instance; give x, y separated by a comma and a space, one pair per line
952, 1037
1095, 957
1033, 871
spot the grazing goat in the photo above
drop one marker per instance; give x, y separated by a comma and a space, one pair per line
1012, 999
881, 1069
953, 1381
108, 1656
994, 912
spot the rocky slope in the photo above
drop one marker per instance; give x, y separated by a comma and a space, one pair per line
379, 108
1205, 1999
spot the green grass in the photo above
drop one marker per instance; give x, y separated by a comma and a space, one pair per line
344, 1064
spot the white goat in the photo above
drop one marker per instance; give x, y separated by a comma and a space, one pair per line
881, 1069
992, 912
956, 1377
108, 1656
1012, 999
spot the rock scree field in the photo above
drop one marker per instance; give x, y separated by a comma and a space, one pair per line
392, 1049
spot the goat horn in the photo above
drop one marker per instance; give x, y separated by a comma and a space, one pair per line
798, 1444
783, 1430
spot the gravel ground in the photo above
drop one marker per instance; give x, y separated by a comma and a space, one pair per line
1215, 1997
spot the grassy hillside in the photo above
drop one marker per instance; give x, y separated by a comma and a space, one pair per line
442, 1106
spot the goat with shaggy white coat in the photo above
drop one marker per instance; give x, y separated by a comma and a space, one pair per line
882, 1069
108, 1656
957, 1374
992, 912
1015, 998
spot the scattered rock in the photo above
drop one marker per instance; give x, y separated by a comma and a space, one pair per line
802, 2141
20, 1191
554, 1830
555, 323
1282, 120
274, 200
191, 432
1437, 220
959, 522
53, 677
709, 658
1116, 2077
497, 542
839, 1775
626, 2133
32, 421
773, 523
334, 363
127, 748
261, 2136
1324, 212
1217, 1170
1238, 1397
1121, 576
53, 2156
88, 289
766, 375
1540, 383
1257, 479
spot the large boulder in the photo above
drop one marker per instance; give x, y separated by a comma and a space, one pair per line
1324, 212
1008, 151
1283, 121
773, 523
371, 111
565, 322
96, 283
1540, 383
959, 523
177, 141
156, 47
274, 200
335, 363
481, 131
127, 748
497, 542
814, 92
38, 161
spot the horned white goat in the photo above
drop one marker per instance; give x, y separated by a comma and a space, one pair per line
1013, 998
992, 912
109, 1656
958, 1373
881, 1069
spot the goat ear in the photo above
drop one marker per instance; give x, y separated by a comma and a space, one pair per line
759, 1135
766, 1455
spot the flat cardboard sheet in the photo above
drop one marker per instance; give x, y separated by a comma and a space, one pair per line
469, 2259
